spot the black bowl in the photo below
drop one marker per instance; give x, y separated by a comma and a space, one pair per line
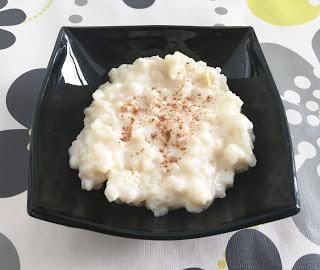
80, 62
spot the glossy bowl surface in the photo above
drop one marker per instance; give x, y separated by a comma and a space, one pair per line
80, 62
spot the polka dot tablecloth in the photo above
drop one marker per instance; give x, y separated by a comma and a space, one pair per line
289, 32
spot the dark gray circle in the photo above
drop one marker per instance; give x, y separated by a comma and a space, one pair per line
193, 268
9, 258
308, 262
3, 3
81, 2
139, 3
251, 250
22, 95
221, 10
75, 19
14, 158
6, 39
12, 16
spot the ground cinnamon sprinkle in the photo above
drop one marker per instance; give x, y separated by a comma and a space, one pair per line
209, 98
126, 133
135, 110
168, 135
162, 118
174, 118
173, 160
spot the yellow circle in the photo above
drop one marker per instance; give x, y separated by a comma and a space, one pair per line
284, 12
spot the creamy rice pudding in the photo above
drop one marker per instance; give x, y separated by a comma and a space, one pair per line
164, 133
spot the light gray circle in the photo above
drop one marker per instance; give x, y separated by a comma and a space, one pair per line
221, 10
293, 65
307, 262
81, 2
75, 19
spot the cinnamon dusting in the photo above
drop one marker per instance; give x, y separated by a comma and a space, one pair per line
174, 118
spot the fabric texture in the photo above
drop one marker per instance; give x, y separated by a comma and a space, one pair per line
289, 33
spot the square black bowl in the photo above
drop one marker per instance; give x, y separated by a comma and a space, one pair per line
80, 62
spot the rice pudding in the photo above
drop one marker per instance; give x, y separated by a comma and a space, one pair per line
164, 133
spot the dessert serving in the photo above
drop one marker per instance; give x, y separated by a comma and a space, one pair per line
163, 133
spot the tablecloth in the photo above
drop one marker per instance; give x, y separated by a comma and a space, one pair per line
289, 33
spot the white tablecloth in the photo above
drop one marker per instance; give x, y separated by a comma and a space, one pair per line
289, 33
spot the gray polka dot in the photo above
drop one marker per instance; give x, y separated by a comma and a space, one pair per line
219, 24
6, 39
75, 19
9, 17
221, 10
12, 17
293, 65
193, 268
22, 95
14, 155
3, 3
308, 262
13, 162
316, 45
139, 3
81, 2
9, 258
250, 250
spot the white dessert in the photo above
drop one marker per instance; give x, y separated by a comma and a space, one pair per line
163, 133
